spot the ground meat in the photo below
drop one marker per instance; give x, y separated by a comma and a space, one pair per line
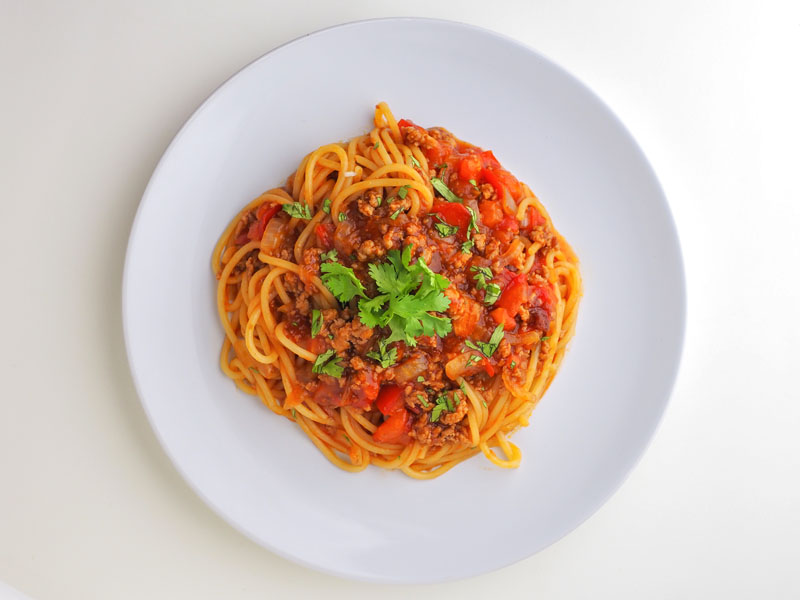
435, 434
487, 191
369, 202
541, 235
459, 412
347, 334
369, 251
480, 241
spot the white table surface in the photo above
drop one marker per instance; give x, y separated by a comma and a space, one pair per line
91, 95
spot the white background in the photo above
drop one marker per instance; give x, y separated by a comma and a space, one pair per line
91, 95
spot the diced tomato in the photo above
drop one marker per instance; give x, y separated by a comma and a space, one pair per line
501, 317
469, 167
324, 233
256, 230
318, 345
491, 212
516, 293
508, 223
490, 177
454, 214
546, 297
488, 367
394, 430
407, 123
510, 182
488, 159
390, 399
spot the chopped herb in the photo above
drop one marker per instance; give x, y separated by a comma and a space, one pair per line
446, 193
441, 166
414, 161
326, 206
463, 386
342, 217
341, 281
474, 359
446, 230
545, 337
254, 370
473, 222
488, 348
408, 295
346, 439
298, 210
330, 336
294, 413
379, 199
377, 145
329, 255
467, 246
422, 400
474, 183
328, 363
385, 357
492, 293
484, 404
483, 273
396, 213
403, 192
420, 379
513, 364
294, 323
316, 322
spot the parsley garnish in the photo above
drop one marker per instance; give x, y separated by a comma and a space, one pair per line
379, 199
294, 413
473, 360
420, 379
446, 193
328, 363
316, 322
467, 246
385, 357
488, 348
513, 364
408, 294
298, 210
446, 230
341, 281
443, 403
326, 206
342, 217
545, 337
414, 161
441, 166
491, 290
474, 183
485, 405
403, 192
377, 145
329, 255
396, 213
346, 439
422, 400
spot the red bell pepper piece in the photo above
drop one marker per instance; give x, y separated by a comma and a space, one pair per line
394, 430
516, 293
390, 400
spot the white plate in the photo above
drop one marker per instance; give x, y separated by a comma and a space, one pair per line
260, 472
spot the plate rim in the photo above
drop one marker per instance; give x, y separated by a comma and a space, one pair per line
673, 373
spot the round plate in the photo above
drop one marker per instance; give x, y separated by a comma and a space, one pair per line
259, 471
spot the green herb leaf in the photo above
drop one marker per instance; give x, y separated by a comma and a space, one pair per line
467, 246
446, 230
422, 400
414, 161
420, 379
403, 192
474, 359
544, 337
409, 293
385, 357
484, 272
491, 293
342, 217
474, 183
316, 322
329, 255
326, 206
377, 145
328, 363
513, 364
443, 403
298, 210
396, 213
294, 413
446, 193
488, 348
341, 281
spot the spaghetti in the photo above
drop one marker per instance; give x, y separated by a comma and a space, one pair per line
403, 298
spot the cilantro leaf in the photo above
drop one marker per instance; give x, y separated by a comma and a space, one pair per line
414, 161
342, 217
385, 357
329, 255
491, 293
491, 290
443, 403
446, 230
377, 145
403, 192
316, 322
473, 182
341, 281
396, 213
328, 363
488, 348
298, 210
446, 193
326, 206
422, 400
467, 246
408, 295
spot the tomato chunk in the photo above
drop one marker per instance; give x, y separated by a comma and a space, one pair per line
256, 230
454, 214
469, 167
516, 293
390, 400
394, 430
491, 212
324, 233
501, 317
508, 223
